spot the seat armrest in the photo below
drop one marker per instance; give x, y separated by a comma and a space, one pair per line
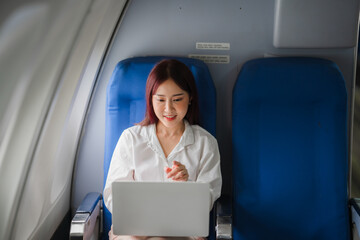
87, 222
355, 216
224, 218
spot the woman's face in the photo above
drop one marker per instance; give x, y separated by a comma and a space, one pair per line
170, 104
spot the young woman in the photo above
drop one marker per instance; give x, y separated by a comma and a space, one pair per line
167, 145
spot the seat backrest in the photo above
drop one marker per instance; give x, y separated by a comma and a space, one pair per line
290, 165
125, 103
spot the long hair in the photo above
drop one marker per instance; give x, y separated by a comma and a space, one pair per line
182, 76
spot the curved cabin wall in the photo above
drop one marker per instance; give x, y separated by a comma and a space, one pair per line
50, 55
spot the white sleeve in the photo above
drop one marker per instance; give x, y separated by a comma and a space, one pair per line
210, 171
121, 166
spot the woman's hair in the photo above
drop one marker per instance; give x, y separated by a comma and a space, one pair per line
182, 76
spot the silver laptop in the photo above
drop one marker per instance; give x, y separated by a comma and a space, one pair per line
161, 208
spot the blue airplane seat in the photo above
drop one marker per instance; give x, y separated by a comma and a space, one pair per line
125, 104
290, 163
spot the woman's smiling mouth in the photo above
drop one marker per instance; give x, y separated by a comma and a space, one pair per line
170, 117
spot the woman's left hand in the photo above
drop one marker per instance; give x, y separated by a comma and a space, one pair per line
178, 172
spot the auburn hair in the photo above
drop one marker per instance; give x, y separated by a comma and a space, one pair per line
182, 76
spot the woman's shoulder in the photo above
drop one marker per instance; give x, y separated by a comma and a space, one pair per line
136, 131
200, 132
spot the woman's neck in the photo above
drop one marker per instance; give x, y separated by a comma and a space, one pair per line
162, 130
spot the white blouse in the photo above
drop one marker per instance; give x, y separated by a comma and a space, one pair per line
138, 156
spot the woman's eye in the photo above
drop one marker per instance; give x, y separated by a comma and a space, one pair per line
161, 100
177, 100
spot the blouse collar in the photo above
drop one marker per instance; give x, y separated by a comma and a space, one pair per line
186, 139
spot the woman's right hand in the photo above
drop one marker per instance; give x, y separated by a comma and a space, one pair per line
178, 172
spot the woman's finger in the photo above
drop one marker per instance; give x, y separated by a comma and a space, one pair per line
173, 172
177, 163
181, 176
177, 167
167, 169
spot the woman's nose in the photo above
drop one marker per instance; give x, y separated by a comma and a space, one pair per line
168, 105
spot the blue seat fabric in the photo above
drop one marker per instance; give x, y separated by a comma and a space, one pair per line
125, 103
290, 163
